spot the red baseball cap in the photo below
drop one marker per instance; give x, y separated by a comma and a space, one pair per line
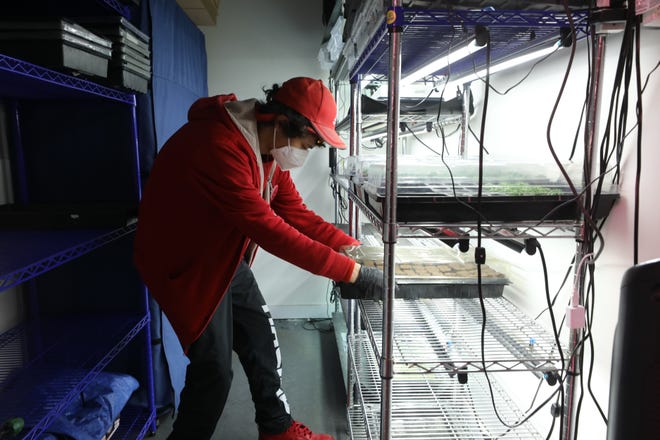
312, 99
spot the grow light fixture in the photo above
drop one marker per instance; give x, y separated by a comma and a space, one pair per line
505, 65
442, 62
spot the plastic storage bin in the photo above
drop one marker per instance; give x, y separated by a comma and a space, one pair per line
130, 66
56, 44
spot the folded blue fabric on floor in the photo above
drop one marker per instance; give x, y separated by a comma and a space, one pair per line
91, 414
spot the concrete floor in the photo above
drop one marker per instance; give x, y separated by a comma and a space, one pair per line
312, 381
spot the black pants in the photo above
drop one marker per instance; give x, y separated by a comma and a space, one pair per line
243, 323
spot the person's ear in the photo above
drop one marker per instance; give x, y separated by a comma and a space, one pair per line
282, 124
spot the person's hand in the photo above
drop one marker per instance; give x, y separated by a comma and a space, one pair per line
369, 284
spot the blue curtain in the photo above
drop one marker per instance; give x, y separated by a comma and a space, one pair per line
179, 66
179, 77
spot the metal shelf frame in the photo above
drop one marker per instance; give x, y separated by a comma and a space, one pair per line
430, 407
39, 352
20, 79
117, 6
444, 336
74, 351
431, 32
427, 34
39, 252
493, 230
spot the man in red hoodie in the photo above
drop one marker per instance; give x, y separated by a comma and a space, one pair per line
220, 188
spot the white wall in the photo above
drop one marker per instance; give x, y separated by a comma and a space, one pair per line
255, 44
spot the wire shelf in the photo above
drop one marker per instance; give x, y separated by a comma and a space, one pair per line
117, 6
45, 365
133, 423
27, 254
492, 229
444, 336
428, 34
20, 79
431, 407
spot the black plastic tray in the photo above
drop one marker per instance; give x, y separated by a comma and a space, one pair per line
31, 28
61, 54
111, 25
442, 208
136, 66
123, 39
122, 50
127, 78
462, 289
459, 289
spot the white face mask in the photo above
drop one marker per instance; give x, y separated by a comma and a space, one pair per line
288, 157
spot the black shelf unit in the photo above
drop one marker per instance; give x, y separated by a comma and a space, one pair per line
73, 156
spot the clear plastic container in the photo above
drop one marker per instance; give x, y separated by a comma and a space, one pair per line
429, 175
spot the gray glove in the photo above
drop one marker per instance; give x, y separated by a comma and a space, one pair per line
368, 285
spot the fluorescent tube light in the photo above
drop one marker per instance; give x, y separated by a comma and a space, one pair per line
442, 62
505, 65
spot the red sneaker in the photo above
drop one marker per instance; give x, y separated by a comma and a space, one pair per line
297, 431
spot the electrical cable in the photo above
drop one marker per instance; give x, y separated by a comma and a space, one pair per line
554, 329
451, 175
646, 83
477, 138
560, 388
587, 215
592, 357
638, 171
536, 63
554, 298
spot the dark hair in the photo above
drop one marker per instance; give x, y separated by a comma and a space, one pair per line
297, 124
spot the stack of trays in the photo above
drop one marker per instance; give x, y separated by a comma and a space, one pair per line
130, 66
56, 44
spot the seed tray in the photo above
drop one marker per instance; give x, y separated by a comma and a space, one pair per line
433, 272
421, 203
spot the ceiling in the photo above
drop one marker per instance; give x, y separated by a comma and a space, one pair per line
201, 12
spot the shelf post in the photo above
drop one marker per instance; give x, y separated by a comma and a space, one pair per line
395, 28
574, 365
353, 227
354, 150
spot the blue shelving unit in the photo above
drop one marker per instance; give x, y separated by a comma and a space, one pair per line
20, 79
62, 356
27, 254
60, 348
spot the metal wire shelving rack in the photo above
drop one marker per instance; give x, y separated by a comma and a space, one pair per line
20, 79
430, 32
52, 361
67, 349
425, 343
31, 253
430, 407
444, 336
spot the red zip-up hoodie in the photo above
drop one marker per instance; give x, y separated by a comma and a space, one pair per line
203, 204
